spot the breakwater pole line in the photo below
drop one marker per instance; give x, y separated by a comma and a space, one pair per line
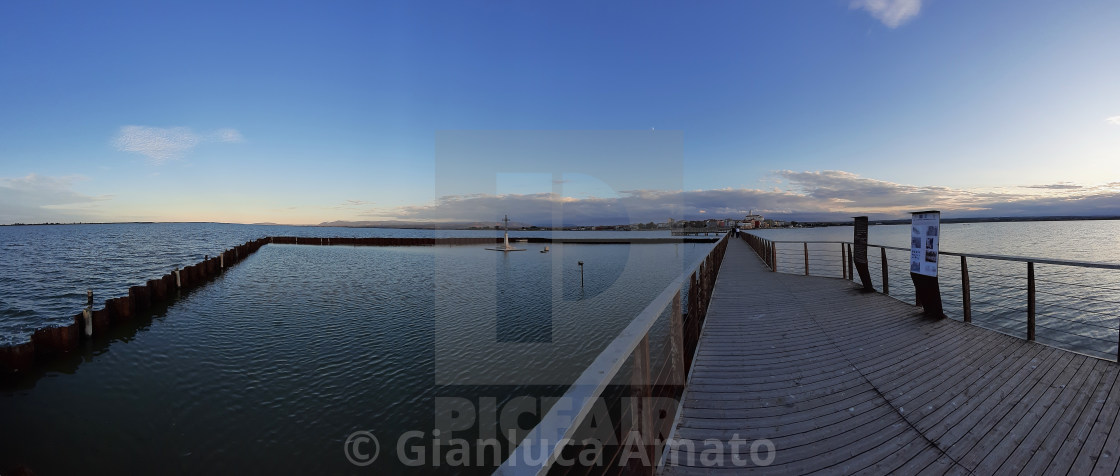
50, 342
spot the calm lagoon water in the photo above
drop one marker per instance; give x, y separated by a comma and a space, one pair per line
270, 367
47, 269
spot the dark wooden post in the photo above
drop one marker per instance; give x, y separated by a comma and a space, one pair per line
966, 290
843, 262
806, 258
1030, 300
676, 342
851, 264
640, 407
773, 257
886, 280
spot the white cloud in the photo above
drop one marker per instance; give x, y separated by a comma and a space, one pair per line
893, 13
228, 135
822, 195
37, 198
1113, 120
160, 144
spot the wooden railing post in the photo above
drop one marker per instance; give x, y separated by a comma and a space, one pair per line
806, 258
886, 280
966, 290
773, 257
1030, 300
641, 411
851, 264
676, 342
843, 262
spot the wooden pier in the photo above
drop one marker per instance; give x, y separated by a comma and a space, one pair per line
843, 382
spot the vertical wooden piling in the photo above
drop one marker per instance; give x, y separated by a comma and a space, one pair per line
886, 274
1030, 300
843, 262
806, 245
773, 257
966, 290
87, 321
851, 264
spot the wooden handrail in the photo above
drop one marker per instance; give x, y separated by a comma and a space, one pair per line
558, 426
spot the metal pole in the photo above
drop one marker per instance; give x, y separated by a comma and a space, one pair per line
966, 290
886, 282
1030, 300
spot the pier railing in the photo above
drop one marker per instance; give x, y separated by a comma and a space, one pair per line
1074, 305
622, 407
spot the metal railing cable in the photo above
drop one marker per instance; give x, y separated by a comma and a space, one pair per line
993, 289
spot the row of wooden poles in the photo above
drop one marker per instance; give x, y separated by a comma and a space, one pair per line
50, 342
767, 250
339, 241
652, 379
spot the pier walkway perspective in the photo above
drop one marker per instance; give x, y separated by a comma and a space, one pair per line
841, 381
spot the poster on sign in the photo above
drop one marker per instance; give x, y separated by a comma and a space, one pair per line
924, 233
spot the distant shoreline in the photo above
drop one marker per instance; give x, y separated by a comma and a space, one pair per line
429, 226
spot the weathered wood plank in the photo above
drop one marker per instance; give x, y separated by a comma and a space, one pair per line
843, 382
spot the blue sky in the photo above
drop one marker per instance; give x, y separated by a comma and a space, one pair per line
304, 113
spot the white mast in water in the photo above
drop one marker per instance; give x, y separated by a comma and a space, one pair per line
506, 221
506, 246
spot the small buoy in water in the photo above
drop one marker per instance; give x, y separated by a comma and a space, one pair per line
545, 250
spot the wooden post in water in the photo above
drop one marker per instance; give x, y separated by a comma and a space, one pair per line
843, 262
886, 280
87, 321
87, 314
966, 290
806, 258
1030, 300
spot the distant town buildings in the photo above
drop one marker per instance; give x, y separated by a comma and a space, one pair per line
748, 222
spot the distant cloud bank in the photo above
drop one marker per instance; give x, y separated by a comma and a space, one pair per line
37, 198
893, 13
807, 196
1113, 120
161, 144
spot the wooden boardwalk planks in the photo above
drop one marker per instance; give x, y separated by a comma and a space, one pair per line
843, 382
